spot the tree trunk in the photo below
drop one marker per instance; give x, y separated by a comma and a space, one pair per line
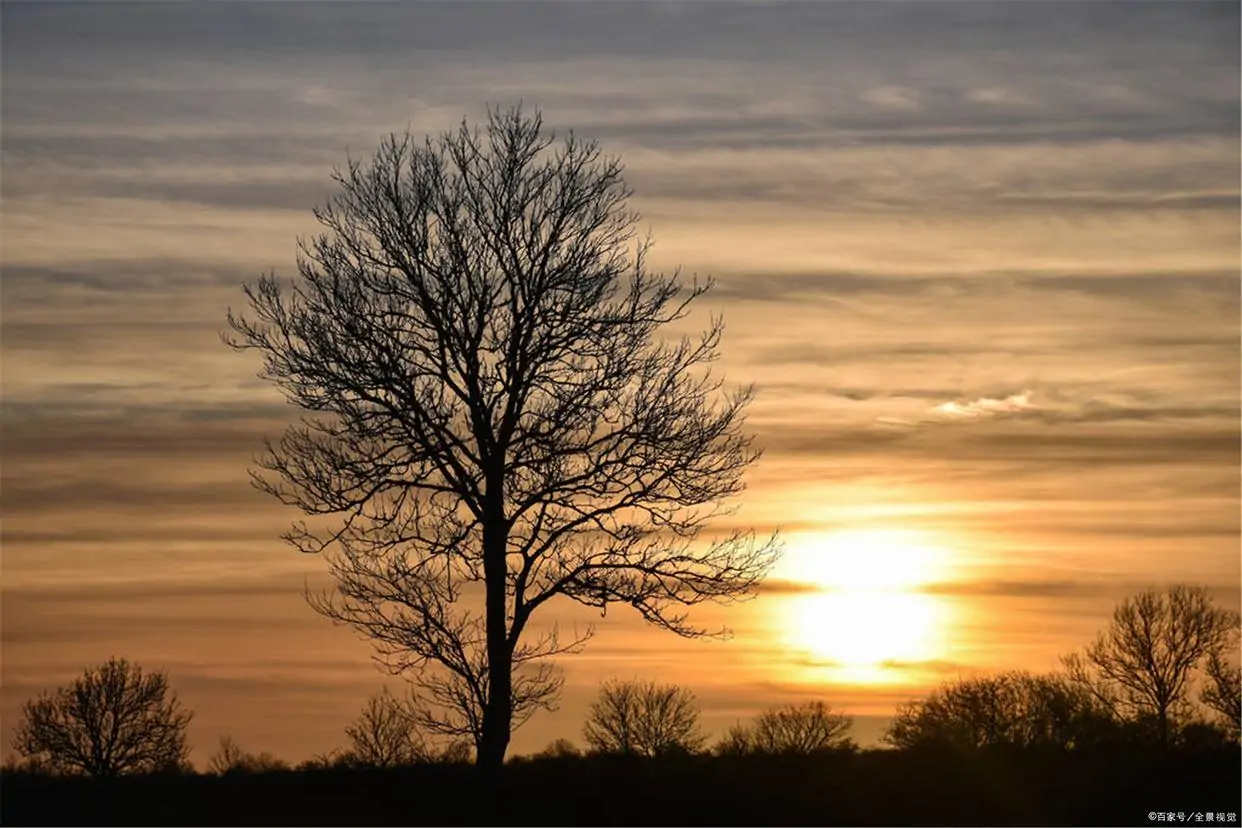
497, 714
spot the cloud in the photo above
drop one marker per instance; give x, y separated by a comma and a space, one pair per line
985, 407
892, 97
780, 586
830, 286
1023, 406
1064, 588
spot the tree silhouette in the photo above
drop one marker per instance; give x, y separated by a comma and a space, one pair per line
801, 729
1142, 664
559, 749
493, 412
1222, 691
230, 758
1014, 708
385, 734
113, 720
643, 719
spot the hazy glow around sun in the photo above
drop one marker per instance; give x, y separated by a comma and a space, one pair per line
867, 560
867, 622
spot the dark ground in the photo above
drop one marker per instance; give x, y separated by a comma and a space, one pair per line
871, 788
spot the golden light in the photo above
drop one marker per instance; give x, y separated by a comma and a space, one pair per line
866, 623
866, 559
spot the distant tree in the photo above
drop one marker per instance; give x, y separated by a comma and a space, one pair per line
643, 719
229, 758
453, 752
34, 765
1015, 708
737, 741
334, 759
113, 720
1222, 691
802, 729
1142, 665
385, 734
559, 749
477, 339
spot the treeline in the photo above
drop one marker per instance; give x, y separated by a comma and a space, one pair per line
1150, 710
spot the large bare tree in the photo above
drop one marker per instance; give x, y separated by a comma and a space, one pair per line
494, 414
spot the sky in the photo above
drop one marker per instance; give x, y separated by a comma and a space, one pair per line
981, 261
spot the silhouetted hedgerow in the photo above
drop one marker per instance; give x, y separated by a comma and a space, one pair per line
1000, 786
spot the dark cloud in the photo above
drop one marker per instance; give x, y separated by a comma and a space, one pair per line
128, 275
993, 444
1066, 588
140, 441
778, 586
791, 287
292, 193
552, 32
120, 494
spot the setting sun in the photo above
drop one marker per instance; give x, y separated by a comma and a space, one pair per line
866, 559
865, 623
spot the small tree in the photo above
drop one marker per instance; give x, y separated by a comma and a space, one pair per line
643, 719
496, 417
801, 729
229, 758
385, 735
1222, 691
114, 720
559, 749
1142, 665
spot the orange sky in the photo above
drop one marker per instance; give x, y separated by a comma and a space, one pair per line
981, 261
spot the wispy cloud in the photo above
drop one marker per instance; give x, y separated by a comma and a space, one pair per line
985, 407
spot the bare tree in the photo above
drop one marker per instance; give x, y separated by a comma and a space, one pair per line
1014, 708
559, 749
115, 719
804, 729
1142, 665
1222, 690
385, 734
230, 758
493, 412
643, 719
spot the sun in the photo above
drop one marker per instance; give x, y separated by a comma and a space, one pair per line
866, 560
866, 620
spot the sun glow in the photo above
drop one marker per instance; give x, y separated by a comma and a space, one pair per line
866, 622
